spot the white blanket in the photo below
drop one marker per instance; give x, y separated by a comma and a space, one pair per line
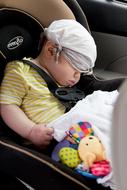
97, 109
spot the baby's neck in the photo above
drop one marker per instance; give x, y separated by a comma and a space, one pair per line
40, 64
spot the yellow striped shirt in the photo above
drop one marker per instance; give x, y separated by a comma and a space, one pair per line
24, 87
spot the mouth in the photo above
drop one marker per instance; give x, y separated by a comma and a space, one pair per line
71, 83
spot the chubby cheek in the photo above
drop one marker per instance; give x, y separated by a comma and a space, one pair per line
62, 79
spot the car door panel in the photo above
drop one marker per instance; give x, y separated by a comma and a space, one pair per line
108, 22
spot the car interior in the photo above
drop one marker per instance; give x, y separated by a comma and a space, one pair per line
107, 21
23, 22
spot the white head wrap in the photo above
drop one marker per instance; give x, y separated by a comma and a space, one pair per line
75, 42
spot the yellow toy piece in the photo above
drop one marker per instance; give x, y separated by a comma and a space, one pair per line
91, 150
69, 157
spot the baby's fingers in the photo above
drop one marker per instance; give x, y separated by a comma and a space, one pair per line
50, 131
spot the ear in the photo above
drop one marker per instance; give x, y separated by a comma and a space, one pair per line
50, 49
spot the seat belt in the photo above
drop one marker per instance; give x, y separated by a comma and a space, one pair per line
68, 96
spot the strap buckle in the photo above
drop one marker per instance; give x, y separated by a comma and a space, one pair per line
69, 94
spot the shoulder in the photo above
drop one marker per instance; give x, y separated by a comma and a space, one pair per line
17, 65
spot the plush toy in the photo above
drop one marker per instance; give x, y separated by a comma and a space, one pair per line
91, 150
81, 150
80, 130
73, 136
101, 168
69, 157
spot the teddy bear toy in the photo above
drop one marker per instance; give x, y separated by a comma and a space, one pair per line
91, 150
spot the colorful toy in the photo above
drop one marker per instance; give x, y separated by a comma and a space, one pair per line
58, 147
80, 130
91, 150
69, 157
74, 135
101, 168
86, 174
82, 151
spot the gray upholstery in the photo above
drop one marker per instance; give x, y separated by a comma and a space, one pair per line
119, 139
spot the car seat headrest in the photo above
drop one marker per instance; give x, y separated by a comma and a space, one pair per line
15, 42
19, 34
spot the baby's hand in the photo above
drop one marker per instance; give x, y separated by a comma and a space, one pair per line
40, 135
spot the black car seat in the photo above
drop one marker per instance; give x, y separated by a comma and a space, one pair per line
21, 22
17, 37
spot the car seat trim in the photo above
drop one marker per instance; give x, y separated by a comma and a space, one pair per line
21, 11
52, 166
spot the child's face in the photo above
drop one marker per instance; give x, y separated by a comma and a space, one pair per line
64, 73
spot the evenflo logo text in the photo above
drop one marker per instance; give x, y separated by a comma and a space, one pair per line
15, 42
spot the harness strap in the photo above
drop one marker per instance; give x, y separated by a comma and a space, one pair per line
52, 86
67, 96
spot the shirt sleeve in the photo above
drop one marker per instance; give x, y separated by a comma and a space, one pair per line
13, 87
